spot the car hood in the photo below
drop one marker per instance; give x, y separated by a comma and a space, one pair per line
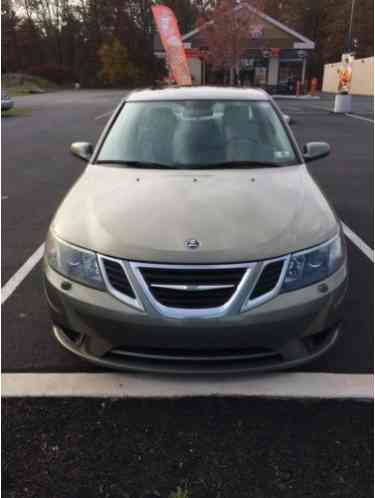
237, 215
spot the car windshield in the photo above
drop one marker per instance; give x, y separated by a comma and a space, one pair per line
198, 134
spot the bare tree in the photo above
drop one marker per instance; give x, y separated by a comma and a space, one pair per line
226, 32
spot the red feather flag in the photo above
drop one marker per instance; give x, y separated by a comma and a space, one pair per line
166, 23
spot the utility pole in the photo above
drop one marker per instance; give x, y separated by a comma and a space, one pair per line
350, 34
343, 100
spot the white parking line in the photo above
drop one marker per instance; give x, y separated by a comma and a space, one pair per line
358, 242
331, 110
359, 117
116, 385
104, 115
319, 108
12, 284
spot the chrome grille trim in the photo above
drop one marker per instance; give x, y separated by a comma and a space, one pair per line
232, 306
192, 288
239, 301
136, 303
252, 303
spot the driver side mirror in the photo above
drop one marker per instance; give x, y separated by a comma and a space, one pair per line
83, 150
315, 150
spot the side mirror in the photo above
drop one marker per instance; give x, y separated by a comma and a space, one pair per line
287, 119
83, 150
315, 150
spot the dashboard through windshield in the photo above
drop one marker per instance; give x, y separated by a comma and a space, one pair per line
198, 134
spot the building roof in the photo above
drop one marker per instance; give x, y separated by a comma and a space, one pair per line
302, 43
198, 93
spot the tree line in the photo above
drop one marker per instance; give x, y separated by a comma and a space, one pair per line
110, 42
326, 22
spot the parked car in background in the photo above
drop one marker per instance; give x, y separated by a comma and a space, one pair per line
6, 102
196, 240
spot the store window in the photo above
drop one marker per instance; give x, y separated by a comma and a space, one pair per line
290, 70
254, 71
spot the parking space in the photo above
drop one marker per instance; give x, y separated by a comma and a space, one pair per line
38, 170
347, 175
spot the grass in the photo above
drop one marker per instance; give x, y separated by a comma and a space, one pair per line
19, 90
179, 493
16, 112
25, 85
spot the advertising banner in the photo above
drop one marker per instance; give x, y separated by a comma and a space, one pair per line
166, 23
345, 74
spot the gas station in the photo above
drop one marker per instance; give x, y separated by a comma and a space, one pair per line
276, 56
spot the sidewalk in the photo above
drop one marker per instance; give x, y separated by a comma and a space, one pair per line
362, 105
296, 97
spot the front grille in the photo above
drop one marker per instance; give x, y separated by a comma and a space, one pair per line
219, 286
268, 279
117, 277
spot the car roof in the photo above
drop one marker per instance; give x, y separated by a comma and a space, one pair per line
198, 93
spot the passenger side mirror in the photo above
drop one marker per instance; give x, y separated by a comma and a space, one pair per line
287, 119
315, 150
83, 150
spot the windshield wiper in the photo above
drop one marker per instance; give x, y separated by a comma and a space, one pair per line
137, 164
246, 164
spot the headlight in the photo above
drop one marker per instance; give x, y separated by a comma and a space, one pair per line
308, 267
73, 262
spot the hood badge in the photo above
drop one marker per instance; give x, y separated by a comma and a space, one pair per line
192, 244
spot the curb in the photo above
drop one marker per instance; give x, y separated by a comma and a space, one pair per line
295, 97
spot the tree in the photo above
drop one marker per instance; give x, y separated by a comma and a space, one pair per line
9, 42
115, 65
327, 24
185, 10
205, 7
226, 31
70, 33
363, 28
335, 28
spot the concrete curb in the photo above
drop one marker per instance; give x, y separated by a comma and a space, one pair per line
295, 97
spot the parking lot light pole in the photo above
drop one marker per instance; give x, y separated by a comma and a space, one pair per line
350, 34
343, 100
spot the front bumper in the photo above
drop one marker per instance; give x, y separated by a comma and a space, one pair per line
291, 329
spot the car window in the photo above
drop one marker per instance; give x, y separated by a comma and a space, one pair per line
198, 134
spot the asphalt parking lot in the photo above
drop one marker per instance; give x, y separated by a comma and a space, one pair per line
38, 170
213, 448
